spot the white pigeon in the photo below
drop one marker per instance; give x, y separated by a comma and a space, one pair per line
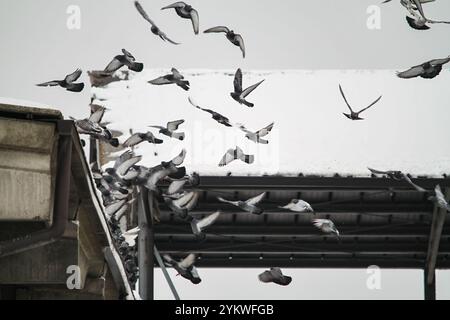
326, 226
248, 205
256, 136
298, 205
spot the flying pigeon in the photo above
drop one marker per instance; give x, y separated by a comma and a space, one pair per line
125, 59
355, 115
215, 115
249, 205
185, 267
184, 204
92, 127
199, 225
177, 185
123, 164
439, 199
326, 226
139, 137
170, 128
398, 175
427, 70
185, 11
174, 78
234, 154
239, 95
165, 169
234, 38
256, 136
298, 205
276, 276
67, 83
155, 30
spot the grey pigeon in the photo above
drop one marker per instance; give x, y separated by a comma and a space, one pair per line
326, 226
185, 267
155, 30
170, 128
125, 59
298, 205
235, 154
249, 205
198, 225
426, 70
185, 11
139, 137
355, 115
184, 204
174, 78
257, 136
239, 94
215, 115
68, 82
276, 276
234, 38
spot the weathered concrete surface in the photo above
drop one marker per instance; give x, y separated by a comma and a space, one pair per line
26, 166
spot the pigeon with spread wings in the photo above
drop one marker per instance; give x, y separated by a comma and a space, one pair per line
185, 11
238, 94
68, 82
215, 115
256, 136
170, 128
185, 267
397, 175
155, 30
326, 225
198, 225
276, 276
355, 115
125, 59
249, 205
139, 137
426, 70
173, 78
298, 205
235, 154
234, 38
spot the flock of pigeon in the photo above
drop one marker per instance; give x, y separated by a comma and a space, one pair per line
119, 183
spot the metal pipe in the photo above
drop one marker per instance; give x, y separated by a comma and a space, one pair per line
166, 274
145, 246
61, 199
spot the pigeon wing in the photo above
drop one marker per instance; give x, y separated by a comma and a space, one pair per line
208, 220
173, 125
238, 81
188, 261
375, 171
415, 186
143, 13
178, 160
123, 157
227, 158
195, 20
378, 99
133, 140
411, 73
73, 76
265, 131
345, 99
123, 168
114, 65
439, 62
217, 29
49, 83
225, 200
97, 116
266, 277
175, 186
240, 40
255, 200
179, 4
247, 91
160, 81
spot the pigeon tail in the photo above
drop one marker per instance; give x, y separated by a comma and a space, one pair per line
184, 84
178, 135
136, 66
249, 159
248, 104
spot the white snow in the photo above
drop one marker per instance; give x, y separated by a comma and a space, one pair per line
407, 130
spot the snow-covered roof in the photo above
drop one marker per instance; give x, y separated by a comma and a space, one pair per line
407, 130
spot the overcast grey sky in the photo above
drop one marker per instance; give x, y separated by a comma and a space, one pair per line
291, 34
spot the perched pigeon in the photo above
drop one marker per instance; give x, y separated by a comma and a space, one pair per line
67, 83
234, 38
234, 154
249, 205
155, 30
427, 70
185, 11
326, 226
170, 128
256, 136
125, 59
355, 115
439, 199
239, 95
92, 127
398, 175
185, 267
174, 78
139, 137
298, 205
276, 276
198, 225
215, 115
